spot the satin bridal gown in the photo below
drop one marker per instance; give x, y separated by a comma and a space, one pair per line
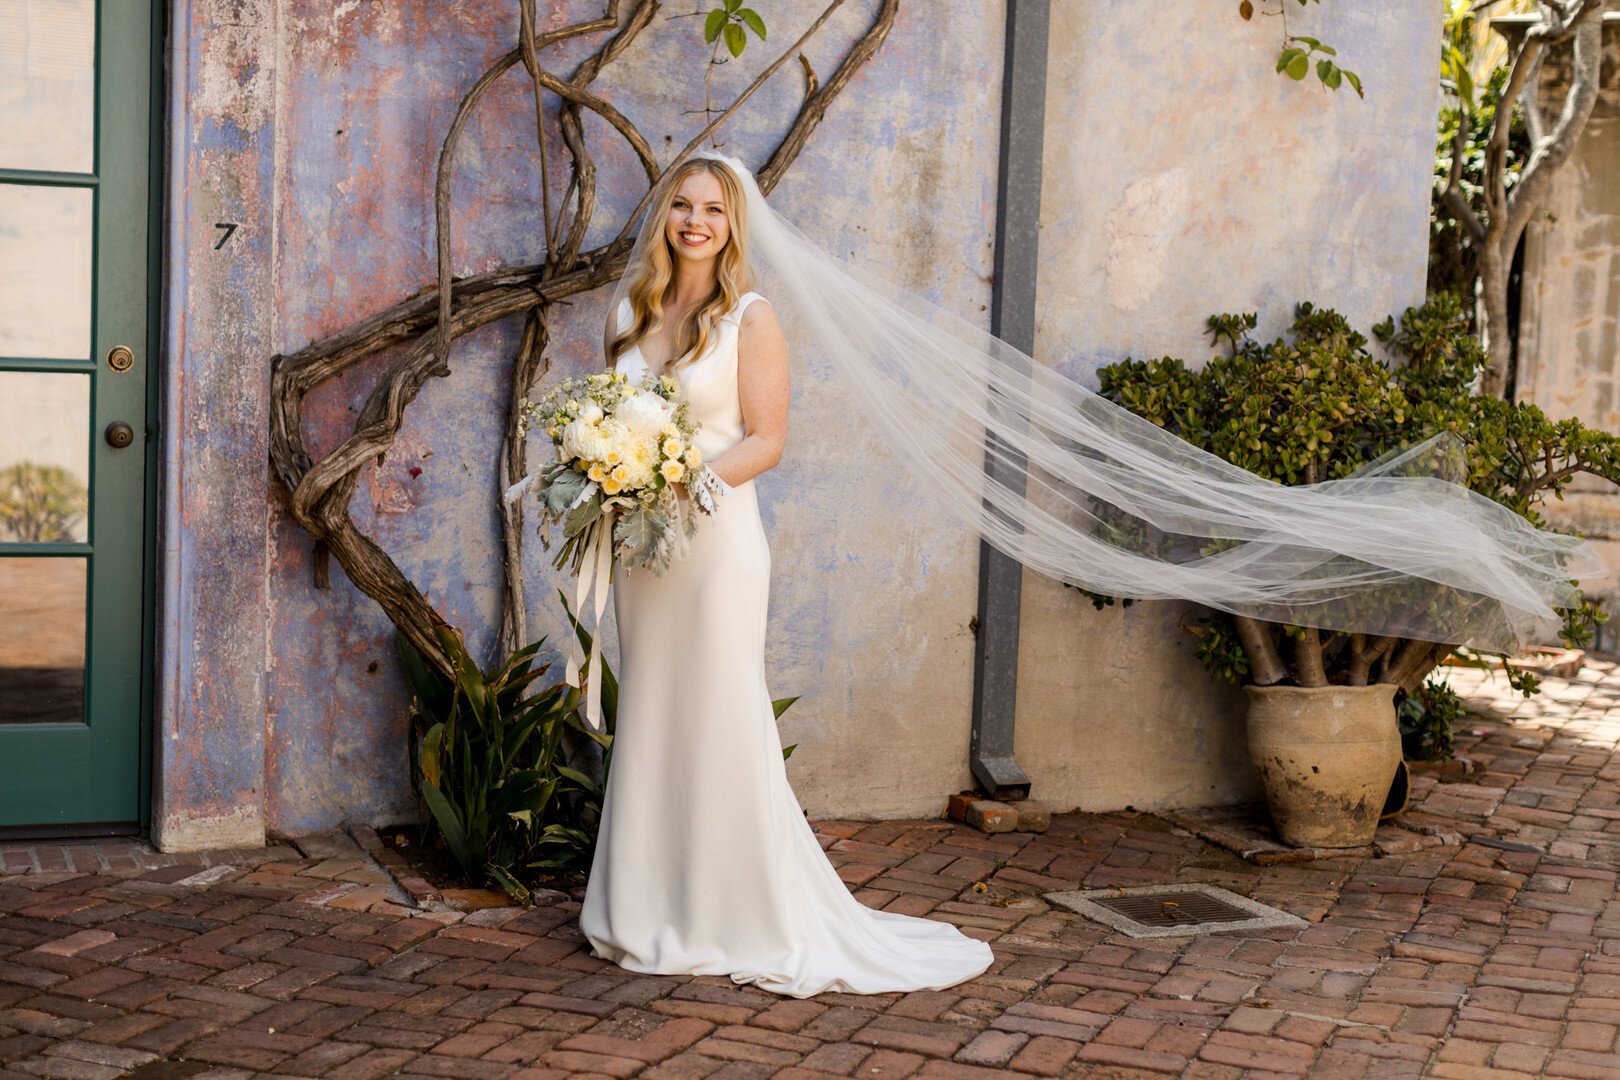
704, 862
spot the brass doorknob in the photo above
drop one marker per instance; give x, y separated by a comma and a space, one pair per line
119, 435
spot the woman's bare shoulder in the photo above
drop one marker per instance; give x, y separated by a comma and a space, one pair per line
757, 311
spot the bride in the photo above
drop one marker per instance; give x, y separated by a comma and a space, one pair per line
704, 862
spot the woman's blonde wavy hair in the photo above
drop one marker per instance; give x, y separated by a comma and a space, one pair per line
656, 271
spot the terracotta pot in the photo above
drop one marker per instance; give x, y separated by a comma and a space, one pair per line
1326, 757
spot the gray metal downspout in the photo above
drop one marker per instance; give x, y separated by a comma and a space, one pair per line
1012, 318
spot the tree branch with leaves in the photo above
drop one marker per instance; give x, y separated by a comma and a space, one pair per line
1513, 190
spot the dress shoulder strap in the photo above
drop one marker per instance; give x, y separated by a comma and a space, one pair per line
742, 305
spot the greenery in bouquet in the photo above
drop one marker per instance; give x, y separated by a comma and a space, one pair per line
620, 446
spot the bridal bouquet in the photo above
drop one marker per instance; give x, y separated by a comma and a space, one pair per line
620, 445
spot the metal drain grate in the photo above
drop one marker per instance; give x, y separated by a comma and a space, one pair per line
1173, 910
1180, 908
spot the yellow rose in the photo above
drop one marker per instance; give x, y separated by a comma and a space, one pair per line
671, 430
612, 457
610, 486
621, 473
672, 448
673, 471
694, 457
597, 473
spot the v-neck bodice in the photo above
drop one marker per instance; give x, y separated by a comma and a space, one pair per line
710, 381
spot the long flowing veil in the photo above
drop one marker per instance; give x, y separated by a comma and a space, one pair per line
1116, 505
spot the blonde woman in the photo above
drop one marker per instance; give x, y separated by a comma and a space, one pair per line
704, 861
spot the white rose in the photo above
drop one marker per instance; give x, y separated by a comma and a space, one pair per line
591, 413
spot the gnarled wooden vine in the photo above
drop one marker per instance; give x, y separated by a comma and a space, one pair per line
433, 318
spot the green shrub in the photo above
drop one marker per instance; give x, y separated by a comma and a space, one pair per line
1316, 405
1426, 719
490, 765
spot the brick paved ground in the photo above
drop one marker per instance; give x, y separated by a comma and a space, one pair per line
1494, 955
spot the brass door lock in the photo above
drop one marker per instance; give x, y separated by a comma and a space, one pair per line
120, 358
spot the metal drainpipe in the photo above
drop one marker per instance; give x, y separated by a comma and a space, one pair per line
1012, 318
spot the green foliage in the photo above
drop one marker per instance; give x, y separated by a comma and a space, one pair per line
503, 787
1295, 62
1471, 110
1298, 410
1295, 58
40, 503
1316, 405
1220, 651
1426, 719
490, 765
726, 23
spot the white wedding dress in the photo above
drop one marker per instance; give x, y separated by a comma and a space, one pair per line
704, 862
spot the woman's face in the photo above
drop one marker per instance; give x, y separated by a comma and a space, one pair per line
697, 227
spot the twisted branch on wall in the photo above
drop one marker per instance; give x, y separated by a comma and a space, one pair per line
430, 321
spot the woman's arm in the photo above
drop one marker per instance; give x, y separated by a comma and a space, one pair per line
764, 391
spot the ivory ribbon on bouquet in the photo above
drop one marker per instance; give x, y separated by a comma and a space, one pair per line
595, 573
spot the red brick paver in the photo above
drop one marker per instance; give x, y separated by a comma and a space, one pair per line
1494, 953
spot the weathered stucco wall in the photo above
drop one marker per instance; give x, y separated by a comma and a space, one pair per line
1184, 177
1569, 328
1175, 186
316, 128
213, 631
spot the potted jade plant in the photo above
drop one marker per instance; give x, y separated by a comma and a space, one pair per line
1328, 710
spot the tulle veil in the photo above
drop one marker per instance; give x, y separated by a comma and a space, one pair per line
1088, 493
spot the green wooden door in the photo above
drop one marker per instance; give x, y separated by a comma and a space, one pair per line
76, 95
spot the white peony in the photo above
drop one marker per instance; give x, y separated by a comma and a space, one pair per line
585, 441
645, 414
591, 413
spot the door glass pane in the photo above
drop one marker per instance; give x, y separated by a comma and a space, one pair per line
42, 606
44, 456
45, 237
48, 84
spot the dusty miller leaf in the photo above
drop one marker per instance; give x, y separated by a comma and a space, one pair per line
636, 536
582, 515
565, 491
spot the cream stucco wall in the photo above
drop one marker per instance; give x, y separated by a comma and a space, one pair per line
1184, 177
